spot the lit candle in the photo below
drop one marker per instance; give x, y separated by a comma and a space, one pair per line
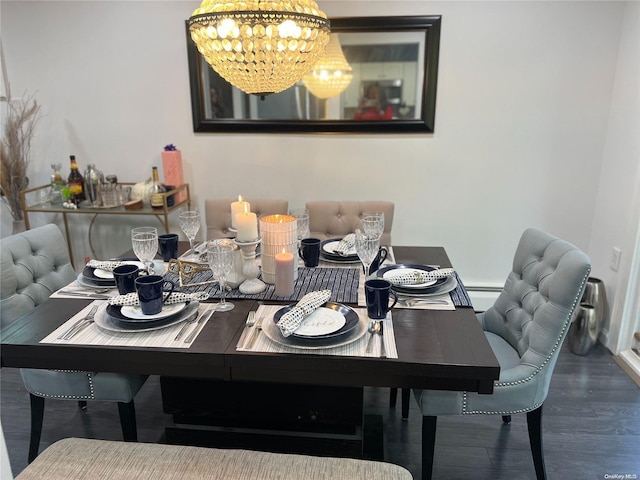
247, 225
284, 274
238, 207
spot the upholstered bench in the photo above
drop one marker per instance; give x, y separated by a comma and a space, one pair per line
74, 458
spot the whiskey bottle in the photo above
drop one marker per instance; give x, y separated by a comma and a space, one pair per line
157, 191
76, 183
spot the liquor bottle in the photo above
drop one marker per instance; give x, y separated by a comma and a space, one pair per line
76, 182
57, 184
157, 191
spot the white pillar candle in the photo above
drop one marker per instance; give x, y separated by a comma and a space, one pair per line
247, 226
284, 274
278, 234
238, 207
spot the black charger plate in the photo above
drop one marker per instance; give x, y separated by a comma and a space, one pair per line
349, 314
107, 322
89, 275
115, 311
380, 274
334, 256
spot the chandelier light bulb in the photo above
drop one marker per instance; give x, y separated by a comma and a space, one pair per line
260, 47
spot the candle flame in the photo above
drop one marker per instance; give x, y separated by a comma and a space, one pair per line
246, 208
239, 198
284, 250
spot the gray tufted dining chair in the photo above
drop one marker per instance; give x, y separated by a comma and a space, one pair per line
525, 328
34, 264
333, 218
218, 213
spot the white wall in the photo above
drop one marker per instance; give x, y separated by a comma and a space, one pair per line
617, 212
524, 100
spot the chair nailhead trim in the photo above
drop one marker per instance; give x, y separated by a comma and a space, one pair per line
520, 410
91, 395
566, 325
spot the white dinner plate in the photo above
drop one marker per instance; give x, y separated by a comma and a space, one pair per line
107, 274
106, 322
329, 247
135, 312
271, 330
86, 283
390, 274
321, 322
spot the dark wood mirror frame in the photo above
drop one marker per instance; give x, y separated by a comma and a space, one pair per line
429, 25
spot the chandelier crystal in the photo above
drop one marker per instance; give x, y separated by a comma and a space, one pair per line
260, 47
332, 74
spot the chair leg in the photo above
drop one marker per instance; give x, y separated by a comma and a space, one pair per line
534, 425
406, 397
506, 418
428, 445
393, 395
37, 415
128, 421
82, 404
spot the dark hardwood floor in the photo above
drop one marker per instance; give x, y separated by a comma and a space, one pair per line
591, 427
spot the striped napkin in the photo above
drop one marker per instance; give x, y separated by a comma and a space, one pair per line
104, 265
417, 277
345, 245
291, 320
131, 299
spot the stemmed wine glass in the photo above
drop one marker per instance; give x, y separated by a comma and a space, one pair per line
373, 223
221, 262
145, 245
367, 247
302, 222
190, 224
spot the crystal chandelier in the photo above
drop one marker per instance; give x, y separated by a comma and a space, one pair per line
332, 74
260, 46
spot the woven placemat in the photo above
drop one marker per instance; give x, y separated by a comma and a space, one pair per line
460, 296
343, 283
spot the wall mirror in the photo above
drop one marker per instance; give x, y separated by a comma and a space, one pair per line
399, 55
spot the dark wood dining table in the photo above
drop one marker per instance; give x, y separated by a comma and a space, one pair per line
317, 399
437, 349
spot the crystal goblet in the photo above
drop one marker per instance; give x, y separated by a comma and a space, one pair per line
190, 225
373, 223
144, 241
221, 262
302, 222
367, 247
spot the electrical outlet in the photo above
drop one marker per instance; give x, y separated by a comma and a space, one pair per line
615, 259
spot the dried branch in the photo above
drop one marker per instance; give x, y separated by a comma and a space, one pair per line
15, 151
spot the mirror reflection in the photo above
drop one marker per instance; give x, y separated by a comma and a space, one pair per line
386, 84
388, 63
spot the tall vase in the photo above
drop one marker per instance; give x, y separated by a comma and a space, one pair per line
584, 331
18, 226
594, 294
